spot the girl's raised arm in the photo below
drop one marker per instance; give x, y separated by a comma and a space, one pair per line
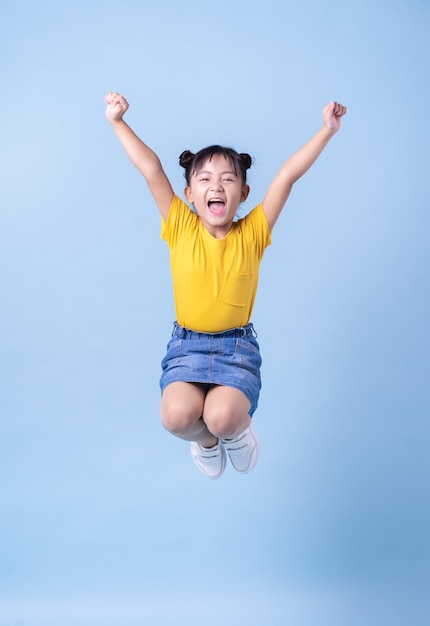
146, 161
299, 163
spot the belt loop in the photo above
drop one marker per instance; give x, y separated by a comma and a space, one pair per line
176, 330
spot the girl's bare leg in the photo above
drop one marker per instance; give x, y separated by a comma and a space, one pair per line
226, 412
181, 413
217, 422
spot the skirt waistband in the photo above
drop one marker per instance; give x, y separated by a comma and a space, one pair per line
185, 333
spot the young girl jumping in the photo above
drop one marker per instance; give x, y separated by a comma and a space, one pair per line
210, 381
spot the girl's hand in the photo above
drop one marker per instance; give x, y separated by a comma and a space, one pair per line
332, 114
117, 105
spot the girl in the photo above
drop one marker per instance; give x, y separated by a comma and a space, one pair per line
210, 379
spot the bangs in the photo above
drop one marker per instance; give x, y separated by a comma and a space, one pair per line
192, 163
208, 153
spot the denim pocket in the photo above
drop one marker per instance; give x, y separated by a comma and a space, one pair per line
174, 347
173, 355
249, 353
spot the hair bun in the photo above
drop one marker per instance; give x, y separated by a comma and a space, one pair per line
246, 160
186, 158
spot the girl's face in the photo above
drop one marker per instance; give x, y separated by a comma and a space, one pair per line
216, 192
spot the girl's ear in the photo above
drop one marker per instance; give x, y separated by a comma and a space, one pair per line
188, 195
245, 193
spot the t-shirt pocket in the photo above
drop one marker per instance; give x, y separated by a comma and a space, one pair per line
236, 289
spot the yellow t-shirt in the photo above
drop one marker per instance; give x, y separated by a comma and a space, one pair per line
214, 280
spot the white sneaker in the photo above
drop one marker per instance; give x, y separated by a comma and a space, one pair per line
243, 450
210, 461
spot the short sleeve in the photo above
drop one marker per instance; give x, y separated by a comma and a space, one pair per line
179, 219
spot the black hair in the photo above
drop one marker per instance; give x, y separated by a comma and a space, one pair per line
192, 162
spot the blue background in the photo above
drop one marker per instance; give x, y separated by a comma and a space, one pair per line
104, 520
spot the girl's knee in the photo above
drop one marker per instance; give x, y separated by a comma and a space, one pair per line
225, 423
176, 418
226, 412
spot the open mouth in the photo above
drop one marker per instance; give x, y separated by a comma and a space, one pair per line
216, 206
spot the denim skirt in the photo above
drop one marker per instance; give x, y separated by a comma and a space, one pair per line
231, 358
